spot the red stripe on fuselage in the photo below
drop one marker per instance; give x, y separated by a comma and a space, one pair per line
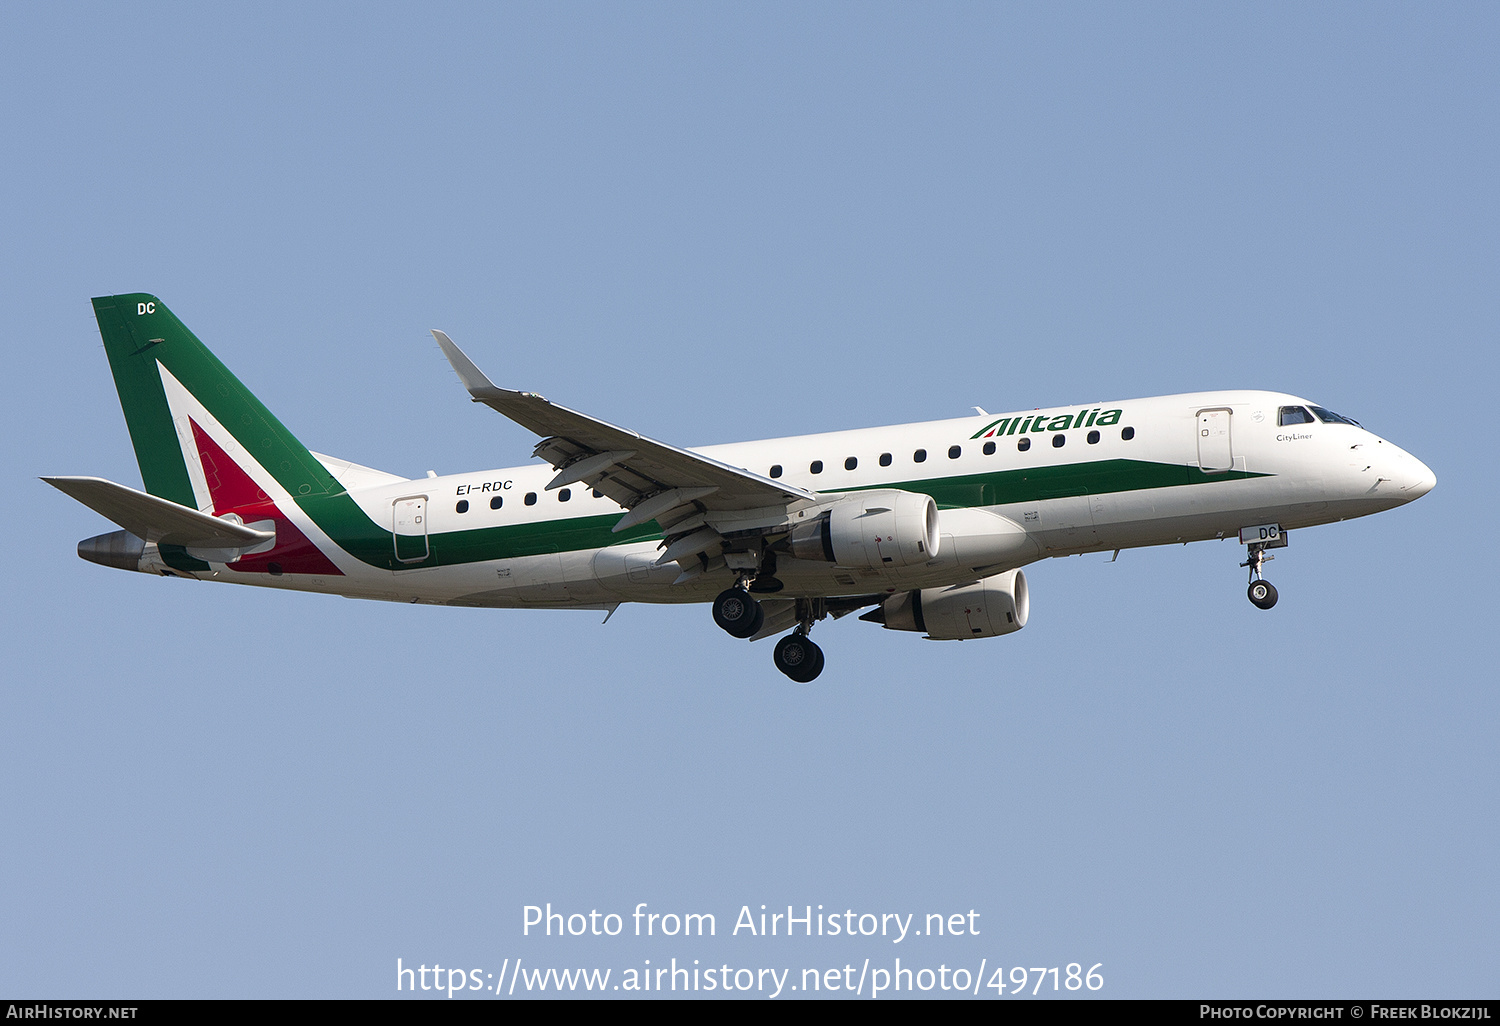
234, 491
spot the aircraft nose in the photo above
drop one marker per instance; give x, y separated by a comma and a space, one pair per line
1420, 479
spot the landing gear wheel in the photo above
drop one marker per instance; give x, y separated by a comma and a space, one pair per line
1262, 594
738, 613
798, 658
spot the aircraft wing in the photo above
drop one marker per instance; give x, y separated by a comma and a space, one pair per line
653, 480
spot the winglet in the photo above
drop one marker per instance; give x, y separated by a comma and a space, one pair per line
480, 387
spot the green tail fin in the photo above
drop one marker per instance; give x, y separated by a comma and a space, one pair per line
141, 336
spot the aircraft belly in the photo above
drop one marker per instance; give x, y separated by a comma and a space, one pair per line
626, 571
1066, 523
1152, 518
540, 580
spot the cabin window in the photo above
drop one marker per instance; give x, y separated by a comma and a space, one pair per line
1127, 433
1024, 444
920, 456
463, 506
1093, 438
1058, 441
885, 459
1293, 415
955, 451
851, 463
989, 448
776, 470
531, 498
565, 495
597, 494
496, 502
816, 467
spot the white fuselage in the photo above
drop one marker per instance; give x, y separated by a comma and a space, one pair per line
1179, 477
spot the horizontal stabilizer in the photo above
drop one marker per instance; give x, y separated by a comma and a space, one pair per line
156, 519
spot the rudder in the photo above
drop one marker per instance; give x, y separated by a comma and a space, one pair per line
142, 338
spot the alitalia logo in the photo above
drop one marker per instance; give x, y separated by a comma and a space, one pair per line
1038, 422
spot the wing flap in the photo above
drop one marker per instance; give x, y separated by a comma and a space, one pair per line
584, 467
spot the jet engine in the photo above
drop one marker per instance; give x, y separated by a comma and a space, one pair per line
985, 609
882, 528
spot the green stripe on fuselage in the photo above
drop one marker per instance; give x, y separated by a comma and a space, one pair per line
1031, 484
341, 519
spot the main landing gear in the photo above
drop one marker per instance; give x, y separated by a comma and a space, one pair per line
742, 617
1262, 593
798, 658
739, 614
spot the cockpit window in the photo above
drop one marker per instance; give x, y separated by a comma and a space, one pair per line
1329, 417
1294, 415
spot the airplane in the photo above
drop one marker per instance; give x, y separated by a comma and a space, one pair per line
926, 526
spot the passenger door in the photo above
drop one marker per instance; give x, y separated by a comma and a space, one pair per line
1215, 452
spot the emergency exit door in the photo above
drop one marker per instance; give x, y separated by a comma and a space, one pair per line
1214, 449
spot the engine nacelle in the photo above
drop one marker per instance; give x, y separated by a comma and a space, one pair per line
883, 528
985, 609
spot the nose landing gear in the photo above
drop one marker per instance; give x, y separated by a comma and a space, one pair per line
1258, 539
1262, 593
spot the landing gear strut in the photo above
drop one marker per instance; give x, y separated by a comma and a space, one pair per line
796, 655
1262, 593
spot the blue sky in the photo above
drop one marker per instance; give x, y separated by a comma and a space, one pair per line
713, 223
